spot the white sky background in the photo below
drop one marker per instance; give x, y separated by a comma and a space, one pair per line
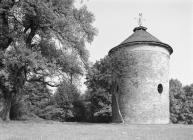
171, 21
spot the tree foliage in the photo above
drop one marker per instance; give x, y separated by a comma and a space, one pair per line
38, 98
69, 99
181, 103
65, 96
176, 100
99, 83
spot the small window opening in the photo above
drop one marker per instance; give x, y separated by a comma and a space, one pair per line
160, 88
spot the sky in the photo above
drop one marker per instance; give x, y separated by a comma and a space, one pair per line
171, 21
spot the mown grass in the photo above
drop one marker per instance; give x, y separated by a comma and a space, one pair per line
48, 130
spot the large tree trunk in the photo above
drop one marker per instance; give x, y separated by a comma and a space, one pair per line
5, 106
5, 40
116, 113
6, 103
17, 93
6, 95
9, 96
5, 100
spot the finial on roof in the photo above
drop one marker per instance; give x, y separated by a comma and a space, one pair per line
140, 19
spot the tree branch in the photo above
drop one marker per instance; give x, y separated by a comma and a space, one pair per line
44, 82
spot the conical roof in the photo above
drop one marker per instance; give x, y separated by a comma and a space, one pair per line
141, 36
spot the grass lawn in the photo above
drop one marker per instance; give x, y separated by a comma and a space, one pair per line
87, 131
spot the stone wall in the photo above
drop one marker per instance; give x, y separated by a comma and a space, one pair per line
141, 92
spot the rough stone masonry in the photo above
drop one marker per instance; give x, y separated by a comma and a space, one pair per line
140, 93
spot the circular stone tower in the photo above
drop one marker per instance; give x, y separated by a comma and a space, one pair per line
140, 91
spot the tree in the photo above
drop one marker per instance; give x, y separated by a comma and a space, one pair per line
29, 52
66, 95
37, 98
181, 102
188, 104
177, 98
99, 79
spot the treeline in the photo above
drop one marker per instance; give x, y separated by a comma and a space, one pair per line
67, 104
38, 103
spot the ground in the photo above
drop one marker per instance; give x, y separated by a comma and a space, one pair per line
88, 131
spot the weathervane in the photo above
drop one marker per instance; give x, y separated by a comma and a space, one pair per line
140, 19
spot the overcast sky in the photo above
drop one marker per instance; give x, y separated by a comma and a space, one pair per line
171, 21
